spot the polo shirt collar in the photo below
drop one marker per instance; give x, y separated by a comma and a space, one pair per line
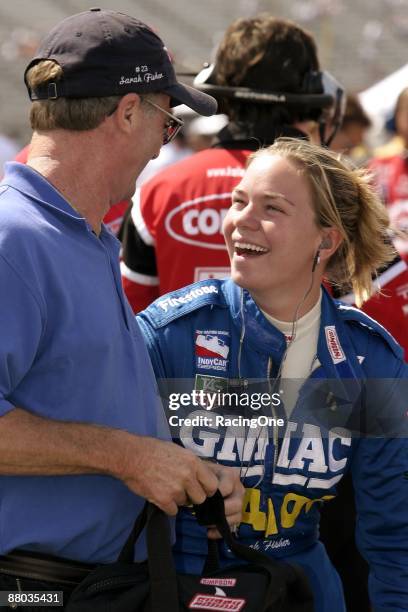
32, 184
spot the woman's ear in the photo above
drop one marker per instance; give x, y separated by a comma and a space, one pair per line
330, 242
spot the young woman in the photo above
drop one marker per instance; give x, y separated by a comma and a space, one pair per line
334, 376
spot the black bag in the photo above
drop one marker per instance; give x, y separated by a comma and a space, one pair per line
261, 585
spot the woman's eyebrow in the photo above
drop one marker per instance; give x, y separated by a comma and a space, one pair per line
274, 195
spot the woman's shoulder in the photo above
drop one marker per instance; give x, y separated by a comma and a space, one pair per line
185, 301
368, 332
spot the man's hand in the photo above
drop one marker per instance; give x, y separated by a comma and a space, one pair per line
162, 472
168, 475
232, 490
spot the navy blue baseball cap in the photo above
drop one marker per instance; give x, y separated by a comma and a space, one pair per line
107, 53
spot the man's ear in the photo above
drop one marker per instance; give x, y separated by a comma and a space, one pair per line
128, 112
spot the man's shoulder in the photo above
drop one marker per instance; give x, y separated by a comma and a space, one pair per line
180, 303
17, 213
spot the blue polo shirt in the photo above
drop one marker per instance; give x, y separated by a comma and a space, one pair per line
70, 350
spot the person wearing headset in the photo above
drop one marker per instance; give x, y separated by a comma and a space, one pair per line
267, 79
335, 377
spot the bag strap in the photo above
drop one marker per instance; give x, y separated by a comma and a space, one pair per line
127, 553
212, 512
162, 572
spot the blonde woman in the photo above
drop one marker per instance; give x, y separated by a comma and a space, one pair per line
298, 215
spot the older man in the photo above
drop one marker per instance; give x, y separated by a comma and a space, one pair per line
81, 422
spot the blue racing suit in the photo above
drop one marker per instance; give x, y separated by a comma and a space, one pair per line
350, 414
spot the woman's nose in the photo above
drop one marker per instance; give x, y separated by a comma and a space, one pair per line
247, 217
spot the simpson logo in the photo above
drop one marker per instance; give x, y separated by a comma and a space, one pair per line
225, 582
199, 221
173, 302
333, 344
213, 602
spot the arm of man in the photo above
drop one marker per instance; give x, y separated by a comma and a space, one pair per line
162, 472
31, 444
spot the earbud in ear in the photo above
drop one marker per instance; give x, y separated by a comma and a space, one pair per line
326, 243
316, 261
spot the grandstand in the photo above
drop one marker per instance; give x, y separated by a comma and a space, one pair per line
360, 42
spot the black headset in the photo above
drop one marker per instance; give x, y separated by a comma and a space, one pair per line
320, 90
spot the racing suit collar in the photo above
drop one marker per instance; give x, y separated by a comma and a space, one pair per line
334, 350
259, 333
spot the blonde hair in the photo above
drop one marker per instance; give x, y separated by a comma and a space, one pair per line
66, 113
342, 197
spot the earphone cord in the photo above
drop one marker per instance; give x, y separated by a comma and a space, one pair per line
294, 324
278, 376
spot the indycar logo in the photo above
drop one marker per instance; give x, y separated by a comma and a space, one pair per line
210, 345
211, 350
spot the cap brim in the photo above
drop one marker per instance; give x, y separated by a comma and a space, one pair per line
197, 100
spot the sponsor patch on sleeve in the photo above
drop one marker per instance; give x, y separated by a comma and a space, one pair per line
184, 298
333, 344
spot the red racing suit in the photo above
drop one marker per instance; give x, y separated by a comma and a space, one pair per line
390, 305
391, 175
173, 235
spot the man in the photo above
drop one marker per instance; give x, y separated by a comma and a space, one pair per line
266, 76
79, 406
